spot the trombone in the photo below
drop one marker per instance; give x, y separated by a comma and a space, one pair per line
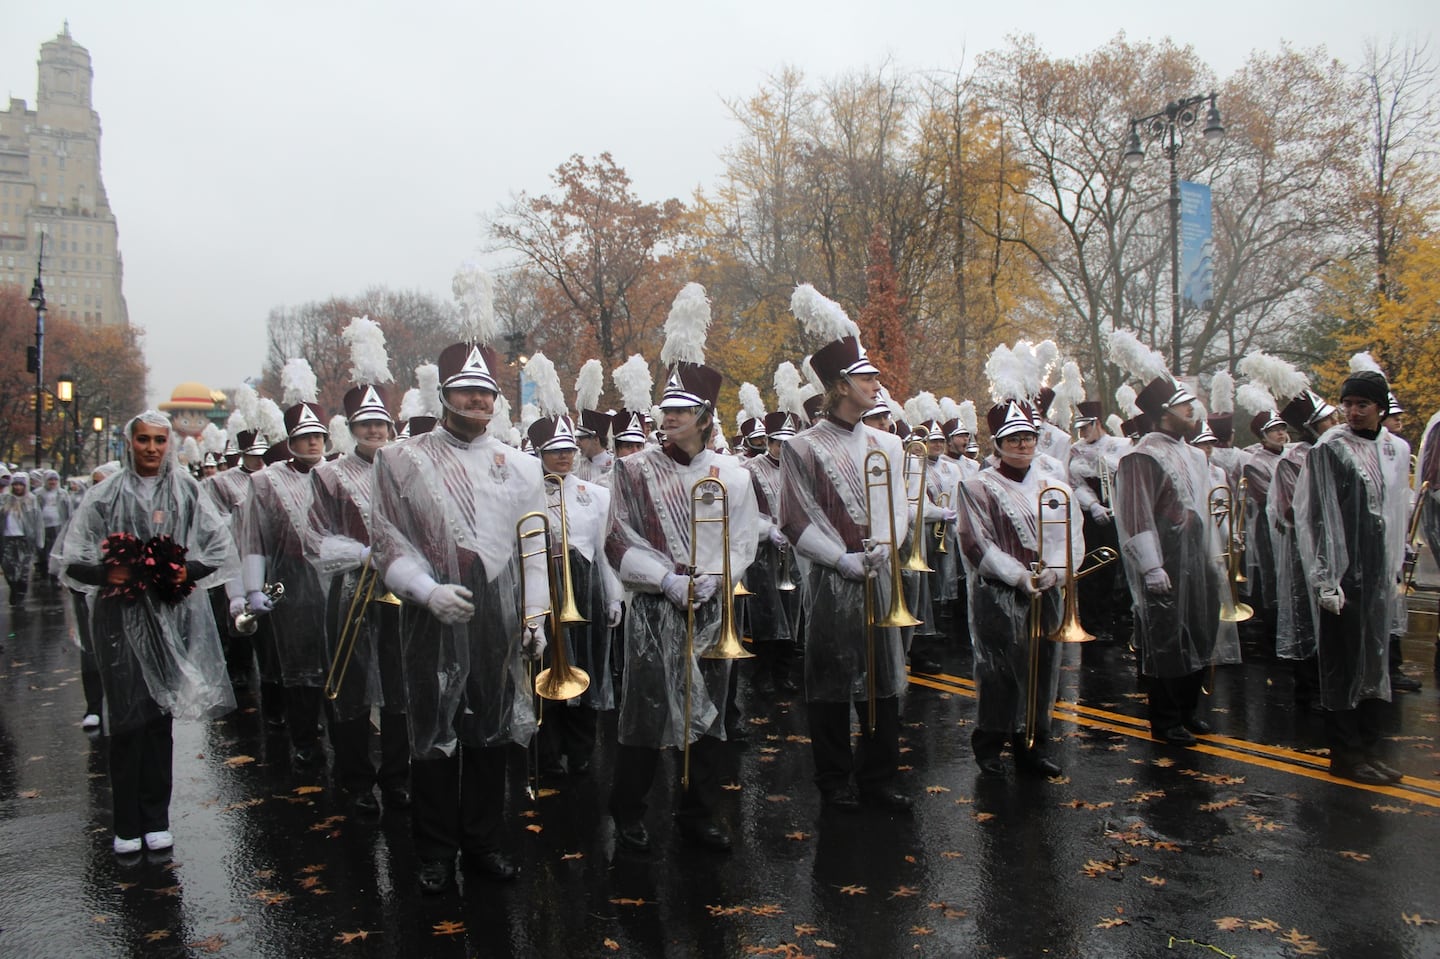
1412, 542
915, 561
1069, 630
560, 680
898, 616
1222, 508
1237, 574
708, 492
354, 622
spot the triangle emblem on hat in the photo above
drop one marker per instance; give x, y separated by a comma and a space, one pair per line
475, 363
371, 398
674, 382
307, 417
563, 430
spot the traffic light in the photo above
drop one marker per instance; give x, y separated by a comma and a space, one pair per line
32, 402
49, 402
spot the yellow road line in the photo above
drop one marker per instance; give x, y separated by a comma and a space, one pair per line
1276, 758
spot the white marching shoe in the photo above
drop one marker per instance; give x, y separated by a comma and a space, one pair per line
91, 721
126, 847
156, 841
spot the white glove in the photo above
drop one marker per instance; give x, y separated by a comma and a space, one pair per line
1157, 581
1411, 553
777, 538
450, 603
876, 556
364, 554
1100, 513
613, 614
851, 566
705, 587
1046, 579
259, 602
949, 516
237, 606
676, 589
1332, 600
534, 642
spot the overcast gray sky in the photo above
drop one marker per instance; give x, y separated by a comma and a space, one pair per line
322, 147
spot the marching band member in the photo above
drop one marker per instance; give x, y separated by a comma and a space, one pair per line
1350, 521
23, 535
567, 731
274, 524
650, 543
1427, 470
1090, 472
1163, 518
846, 530
1258, 471
1394, 422
633, 382
1006, 526
774, 613
592, 427
339, 547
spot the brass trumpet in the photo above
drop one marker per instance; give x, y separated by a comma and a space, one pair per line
349, 634
708, 491
1412, 541
943, 503
560, 680
247, 622
898, 616
1222, 508
915, 561
785, 574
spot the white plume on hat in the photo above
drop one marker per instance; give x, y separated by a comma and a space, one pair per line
340, 436
269, 420
949, 409
1047, 355
411, 405
549, 394
811, 376
369, 360
189, 451
1125, 400
1069, 392
474, 290
911, 411
822, 317
787, 384
297, 382
589, 384
1115, 425
1222, 392
1010, 375
500, 425
236, 425
212, 439
1275, 376
751, 405
529, 413
1031, 367
896, 410
969, 420
427, 378
247, 403
927, 406
1135, 358
686, 326
1254, 398
634, 383
1364, 362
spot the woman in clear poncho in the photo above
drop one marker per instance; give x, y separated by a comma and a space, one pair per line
21, 535
159, 660
1350, 522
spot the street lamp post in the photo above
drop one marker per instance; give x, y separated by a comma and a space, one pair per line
37, 302
1169, 126
97, 423
65, 393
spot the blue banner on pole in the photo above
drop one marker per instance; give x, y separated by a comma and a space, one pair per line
1197, 247
527, 392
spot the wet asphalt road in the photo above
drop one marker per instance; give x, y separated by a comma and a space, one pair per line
1241, 847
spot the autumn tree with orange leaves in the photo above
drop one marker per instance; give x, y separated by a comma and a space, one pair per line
881, 320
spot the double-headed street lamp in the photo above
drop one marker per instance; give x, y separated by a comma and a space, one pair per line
37, 302
1169, 126
97, 423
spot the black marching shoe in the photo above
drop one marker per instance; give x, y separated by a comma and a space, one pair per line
435, 876
924, 664
1198, 726
1175, 736
1038, 766
364, 803
1360, 772
308, 757
843, 799
705, 833
991, 767
397, 797
1401, 683
632, 834
1390, 773
887, 799
491, 865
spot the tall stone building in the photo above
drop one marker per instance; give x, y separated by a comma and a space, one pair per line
50, 184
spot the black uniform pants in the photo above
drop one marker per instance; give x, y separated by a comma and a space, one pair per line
459, 802
1174, 700
89, 666
141, 777
355, 768
567, 731
1354, 734
875, 760
635, 774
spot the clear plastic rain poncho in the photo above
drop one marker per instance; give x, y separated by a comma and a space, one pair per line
587, 517
823, 512
1223, 528
1000, 541
1294, 621
649, 537
274, 524
1162, 515
773, 612
444, 511
1259, 473
1428, 470
941, 478
337, 538
1350, 522
23, 534
154, 657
